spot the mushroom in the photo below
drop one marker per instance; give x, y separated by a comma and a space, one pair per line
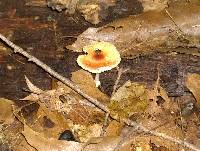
99, 57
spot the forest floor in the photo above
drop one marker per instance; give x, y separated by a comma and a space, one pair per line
150, 101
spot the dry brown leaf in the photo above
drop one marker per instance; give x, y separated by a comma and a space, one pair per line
139, 144
11, 128
11, 136
137, 35
193, 84
80, 110
145, 142
160, 117
86, 132
6, 113
49, 119
151, 143
102, 144
31, 97
86, 82
157, 106
41, 143
50, 123
94, 10
154, 4
49, 99
32, 87
22, 145
172, 130
192, 130
114, 128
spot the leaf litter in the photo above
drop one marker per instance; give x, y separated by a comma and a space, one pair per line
54, 111
41, 130
163, 31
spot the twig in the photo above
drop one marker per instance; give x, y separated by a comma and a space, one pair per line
126, 138
161, 135
53, 73
170, 16
105, 123
129, 122
119, 74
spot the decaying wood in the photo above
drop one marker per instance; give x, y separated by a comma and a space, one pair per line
129, 122
176, 26
53, 73
96, 11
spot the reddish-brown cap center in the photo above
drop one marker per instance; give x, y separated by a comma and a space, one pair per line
98, 55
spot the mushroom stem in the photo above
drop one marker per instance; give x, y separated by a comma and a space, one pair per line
98, 83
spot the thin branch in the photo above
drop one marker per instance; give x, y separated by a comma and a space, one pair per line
161, 135
170, 16
129, 122
119, 74
53, 73
126, 138
105, 124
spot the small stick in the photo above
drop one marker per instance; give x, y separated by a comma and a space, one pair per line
119, 74
129, 122
53, 73
170, 16
140, 128
105, 123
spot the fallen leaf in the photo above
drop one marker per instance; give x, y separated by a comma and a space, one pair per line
102, 144
6, 113
114, 128
159, 113
50, 99
86, 82
154, 4
193, 84
86, 132
136, 35
191, 133
10, 128
22, 145
32, 87
41, 143
50, 123
62, 109
11, 136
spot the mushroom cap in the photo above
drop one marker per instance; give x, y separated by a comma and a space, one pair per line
100, 57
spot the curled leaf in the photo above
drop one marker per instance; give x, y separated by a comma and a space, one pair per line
193, 84
42, 143
32, 87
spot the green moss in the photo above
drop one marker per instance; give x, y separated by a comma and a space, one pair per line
131, 98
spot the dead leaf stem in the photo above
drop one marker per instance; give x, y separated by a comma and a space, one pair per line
170, 16
66, 81
120, 72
